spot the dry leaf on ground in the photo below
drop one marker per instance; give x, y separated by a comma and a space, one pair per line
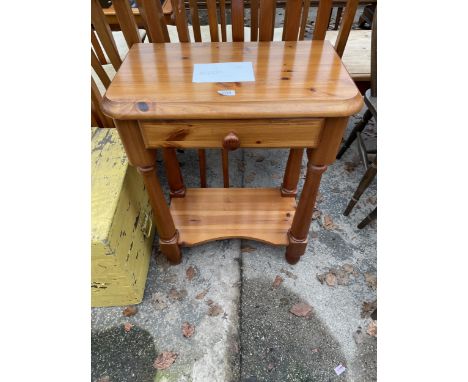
130, 311
164, 360
188, 329
372, 329
214, 310
301, 310
371, 280
174, 294
319, 197
159, 301
350, 166
277, 282
190, 273
201, 295
289, 274
248, 248
348, 268
270, 366
260, 158
342, 278
330, 279
128, 326
316, 214
104, 379
209, 301
328, 222
368, 308
372, 200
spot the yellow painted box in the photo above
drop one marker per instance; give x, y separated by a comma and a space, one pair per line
121, 224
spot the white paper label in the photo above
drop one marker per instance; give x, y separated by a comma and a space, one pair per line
227, 92
223, 72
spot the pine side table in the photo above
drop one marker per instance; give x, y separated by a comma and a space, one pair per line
301, 99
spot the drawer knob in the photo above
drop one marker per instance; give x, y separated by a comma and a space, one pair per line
231, 141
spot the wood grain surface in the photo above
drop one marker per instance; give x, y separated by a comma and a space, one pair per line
292, 79
207, 214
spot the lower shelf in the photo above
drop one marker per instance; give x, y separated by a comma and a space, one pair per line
207, 214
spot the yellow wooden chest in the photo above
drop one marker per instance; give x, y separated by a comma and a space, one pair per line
121, 224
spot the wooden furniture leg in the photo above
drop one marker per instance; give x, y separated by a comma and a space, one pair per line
363, 184
357, 129
292, 173
202, 167
371, 217
174, 176
144, 160
300, 226
318, 160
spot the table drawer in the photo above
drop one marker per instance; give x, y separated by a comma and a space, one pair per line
250, 133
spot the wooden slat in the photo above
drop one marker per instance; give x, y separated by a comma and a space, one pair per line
304, 18
152, 12
322, 20
222, 18
97, 48
237, 20
96, 107
254, 20
181, 20
99, 70
127, 22
251, 133
202, 167
207, 214
195, 20
292, 20
267, 19
212, 20
104, 33
345, 27
225, 162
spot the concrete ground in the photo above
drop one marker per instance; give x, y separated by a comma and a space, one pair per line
243, 328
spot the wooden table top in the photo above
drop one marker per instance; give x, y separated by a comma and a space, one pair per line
292, 79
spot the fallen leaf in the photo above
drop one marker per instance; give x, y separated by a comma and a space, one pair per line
128, 326
319, 198
368, 308
214, 310
289, 274
314, 350
270, 366
188, 329
328, 222
201, 295
209, 301
330, 279
301, 310
372, 328
314, 235
248, 248
371, 280
277, 282
190, 273
260, 158
316, 214
372, 200
350, 166
130, 311
342, 278
174, 294
358, 336
348, 268
106, 378
159, 301
249, 178
164, 360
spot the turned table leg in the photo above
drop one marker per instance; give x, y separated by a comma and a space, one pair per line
144, 160
292, 173
318, 160
174, 176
